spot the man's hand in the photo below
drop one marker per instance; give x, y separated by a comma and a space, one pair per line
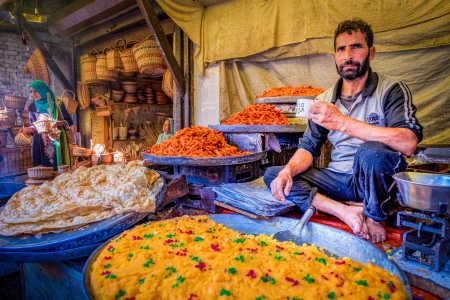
281, 186
326, 115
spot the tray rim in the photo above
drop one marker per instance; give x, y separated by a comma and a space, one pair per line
281, 99
293, 128
203, 161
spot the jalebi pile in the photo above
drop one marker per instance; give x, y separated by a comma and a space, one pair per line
257, 114
292, 91
196, 142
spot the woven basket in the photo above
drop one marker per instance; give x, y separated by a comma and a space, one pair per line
167, 84
101, 69
79, 151
15, 102
37, 66
68, 98
8, 119
149, 58
44, 126
22, 139
40, 172
113, 61
84, 96
87, 66
127, 58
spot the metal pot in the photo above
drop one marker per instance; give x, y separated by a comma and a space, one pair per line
424, 191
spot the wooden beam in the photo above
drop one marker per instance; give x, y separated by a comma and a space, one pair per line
69, 9
177, 96
187, 76
47, 56
153, 23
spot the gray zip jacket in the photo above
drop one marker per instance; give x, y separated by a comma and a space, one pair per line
383, 102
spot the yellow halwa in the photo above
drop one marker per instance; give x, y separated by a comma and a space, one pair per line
195, 258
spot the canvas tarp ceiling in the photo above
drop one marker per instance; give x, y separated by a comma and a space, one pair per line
262, 44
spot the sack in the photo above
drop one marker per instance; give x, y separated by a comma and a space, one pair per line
70, 103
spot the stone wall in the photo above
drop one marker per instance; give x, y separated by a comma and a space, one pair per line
13, 55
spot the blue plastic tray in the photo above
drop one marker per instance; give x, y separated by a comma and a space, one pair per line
91, 234
48, 256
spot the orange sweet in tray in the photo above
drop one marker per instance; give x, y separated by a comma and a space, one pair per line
196, 142
257, 114
291, 91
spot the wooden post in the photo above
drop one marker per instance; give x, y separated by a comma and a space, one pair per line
152, 21
48, 58
187, 76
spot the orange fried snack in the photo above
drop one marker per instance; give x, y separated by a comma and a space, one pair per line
196, 142
257, 114
290, 91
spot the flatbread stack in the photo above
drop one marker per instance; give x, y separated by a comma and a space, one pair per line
75, 199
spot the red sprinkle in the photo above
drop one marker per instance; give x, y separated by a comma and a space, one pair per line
201, 266
279, 247
105, 273
110, 247
131, 298
136, 238
107, 257
382, 281
294, 282
342, 262
170, 241
240, 249
189, 232
392, 287
192, 296
309, 258
215, 247
324, 277
255, 250
251, 274
370, 298
340, 284
124, 235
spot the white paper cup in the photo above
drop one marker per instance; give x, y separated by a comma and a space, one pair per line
302, 108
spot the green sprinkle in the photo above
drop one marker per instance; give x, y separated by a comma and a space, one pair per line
379, 295
278, 250
173, 245
130, 256
170, 235
148, 263
361, 282
251, 257
309, 279
386, 296
107, 266
180, 279
113, 276
240, 258
120, 294
232, 270
270, 254
263, 244
224, 292
331, 295
278, 257
239, 240
357, 269
112, 250
144, 226
296, 253
171, 269
195, 258
141, 281
198, 239
260, 298
268, 278
147, 247
321, 260
150, 235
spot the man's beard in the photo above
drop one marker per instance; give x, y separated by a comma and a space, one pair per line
352, 74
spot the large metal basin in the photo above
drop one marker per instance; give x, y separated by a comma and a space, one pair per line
424, 191
336, 242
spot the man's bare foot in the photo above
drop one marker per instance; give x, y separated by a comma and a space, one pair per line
353, 216
377, 232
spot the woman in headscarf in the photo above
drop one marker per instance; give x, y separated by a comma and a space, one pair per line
48, 150
167, 131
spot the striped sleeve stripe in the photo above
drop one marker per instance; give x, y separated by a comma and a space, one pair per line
410, 120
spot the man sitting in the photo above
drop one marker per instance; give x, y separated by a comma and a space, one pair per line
370, 121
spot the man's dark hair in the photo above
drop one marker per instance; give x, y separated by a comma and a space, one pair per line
350, 26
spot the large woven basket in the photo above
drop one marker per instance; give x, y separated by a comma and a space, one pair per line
167, 85
68, 98
22, 139
37, 66
15, 102
84, 96
87, 66
149, 58
127, 58
113, 61
40, 172
101, 69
